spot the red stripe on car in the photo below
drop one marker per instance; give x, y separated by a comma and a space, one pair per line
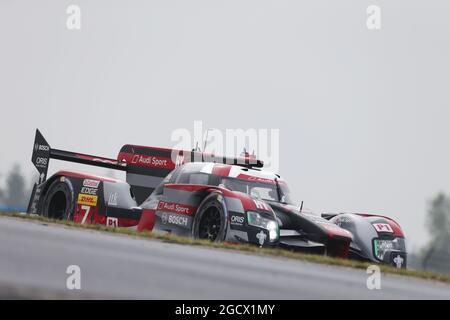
147, 221
83, 175
394, 225
222, 170
255, 179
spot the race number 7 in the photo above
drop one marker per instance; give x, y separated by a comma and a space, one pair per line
86, 213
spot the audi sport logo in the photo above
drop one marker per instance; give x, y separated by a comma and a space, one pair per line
175, 207
150, 161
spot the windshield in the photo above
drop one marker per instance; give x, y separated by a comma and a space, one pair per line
274, 191
285, 193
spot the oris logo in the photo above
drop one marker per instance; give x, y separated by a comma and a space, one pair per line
41, 161
237, 220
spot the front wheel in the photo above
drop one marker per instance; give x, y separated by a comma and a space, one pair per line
59, 200
210, 222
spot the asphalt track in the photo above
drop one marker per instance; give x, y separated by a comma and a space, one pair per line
34, 258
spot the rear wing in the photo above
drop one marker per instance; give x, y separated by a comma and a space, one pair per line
42, 153
145, 167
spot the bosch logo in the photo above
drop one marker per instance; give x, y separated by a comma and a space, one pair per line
178, 220
41, 147
174, 219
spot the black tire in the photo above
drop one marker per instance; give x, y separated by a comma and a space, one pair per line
59, 200
210, 222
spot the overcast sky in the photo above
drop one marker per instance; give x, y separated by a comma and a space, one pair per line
363, 115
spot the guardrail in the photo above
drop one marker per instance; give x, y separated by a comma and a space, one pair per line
6, 208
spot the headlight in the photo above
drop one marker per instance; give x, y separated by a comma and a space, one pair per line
381, 247
255, 219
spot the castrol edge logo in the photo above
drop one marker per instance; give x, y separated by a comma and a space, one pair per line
90, 183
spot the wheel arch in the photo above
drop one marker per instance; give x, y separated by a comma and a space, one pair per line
210, 193
56, 185
45, 189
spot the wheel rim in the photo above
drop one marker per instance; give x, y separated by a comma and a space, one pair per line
209, 226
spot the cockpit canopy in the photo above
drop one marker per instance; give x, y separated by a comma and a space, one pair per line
257, 183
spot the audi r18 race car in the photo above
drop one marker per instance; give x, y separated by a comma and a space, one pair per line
200, 195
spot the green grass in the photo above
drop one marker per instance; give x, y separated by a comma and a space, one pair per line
251, 249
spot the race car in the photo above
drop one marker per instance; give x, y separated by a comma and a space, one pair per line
200, 195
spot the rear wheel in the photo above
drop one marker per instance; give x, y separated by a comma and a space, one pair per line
210, 221
59, 200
